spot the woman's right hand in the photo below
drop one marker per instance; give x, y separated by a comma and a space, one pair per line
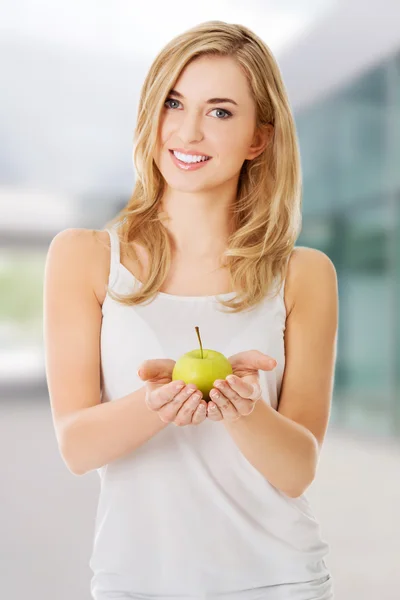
180, 407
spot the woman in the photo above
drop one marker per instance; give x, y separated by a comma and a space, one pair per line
199, 499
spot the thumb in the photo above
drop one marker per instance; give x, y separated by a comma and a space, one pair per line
260, 361
157, 368
265, 362
253, 360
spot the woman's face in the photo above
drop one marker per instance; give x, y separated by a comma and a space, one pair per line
222, 130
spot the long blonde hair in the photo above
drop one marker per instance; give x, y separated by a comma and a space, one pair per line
269, 195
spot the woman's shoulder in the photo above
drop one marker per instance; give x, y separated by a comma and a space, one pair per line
78, 238
304, 260
86, 250
307, 267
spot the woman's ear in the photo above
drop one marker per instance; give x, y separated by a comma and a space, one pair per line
262, 138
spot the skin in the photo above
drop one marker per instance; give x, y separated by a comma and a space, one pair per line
91, 433
200, 200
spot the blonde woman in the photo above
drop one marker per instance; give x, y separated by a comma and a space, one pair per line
201, 497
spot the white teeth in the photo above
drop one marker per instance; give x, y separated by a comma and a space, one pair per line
188, 158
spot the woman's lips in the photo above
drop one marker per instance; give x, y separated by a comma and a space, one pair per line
188, 166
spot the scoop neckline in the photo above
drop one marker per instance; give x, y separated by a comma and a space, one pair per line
226, 295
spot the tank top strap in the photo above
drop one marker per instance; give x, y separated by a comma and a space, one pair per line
115, 255
282, 289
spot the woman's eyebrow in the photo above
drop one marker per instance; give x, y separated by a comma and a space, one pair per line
210, 101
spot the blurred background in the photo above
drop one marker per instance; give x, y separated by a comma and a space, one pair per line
71, 75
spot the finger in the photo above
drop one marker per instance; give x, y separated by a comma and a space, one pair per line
243, 388
253, 360
169, 411
156, 368
247, 387
213, 412
163, 395
185, 413
227, 409
243, 406
200, 413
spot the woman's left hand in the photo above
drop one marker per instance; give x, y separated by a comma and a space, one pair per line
239, 392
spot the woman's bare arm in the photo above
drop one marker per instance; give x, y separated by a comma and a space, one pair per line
90, 434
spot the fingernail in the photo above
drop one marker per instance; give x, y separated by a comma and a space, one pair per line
231, 379
272, 363
138, 372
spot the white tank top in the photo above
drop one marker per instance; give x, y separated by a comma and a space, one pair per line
186, 514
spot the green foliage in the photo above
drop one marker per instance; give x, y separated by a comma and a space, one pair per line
21, 288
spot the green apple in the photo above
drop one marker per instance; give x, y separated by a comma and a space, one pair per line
202, 367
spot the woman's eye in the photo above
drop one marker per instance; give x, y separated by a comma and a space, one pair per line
171, 100
227, 112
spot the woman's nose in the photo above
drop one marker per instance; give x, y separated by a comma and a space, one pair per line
190, 129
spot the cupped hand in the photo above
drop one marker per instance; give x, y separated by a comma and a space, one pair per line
236, 395
174, 401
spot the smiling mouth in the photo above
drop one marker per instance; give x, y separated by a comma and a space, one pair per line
191, 163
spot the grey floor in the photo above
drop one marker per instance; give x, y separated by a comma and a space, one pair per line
47, 514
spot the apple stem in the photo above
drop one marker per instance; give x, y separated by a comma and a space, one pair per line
199, 338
